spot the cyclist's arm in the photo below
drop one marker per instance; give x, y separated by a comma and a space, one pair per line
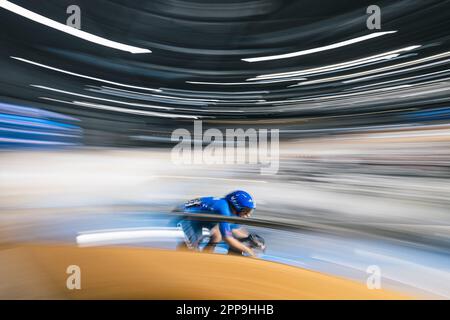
240, 233
227, 235
237, 245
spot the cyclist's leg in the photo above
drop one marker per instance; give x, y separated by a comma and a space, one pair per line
214, 238
192, 233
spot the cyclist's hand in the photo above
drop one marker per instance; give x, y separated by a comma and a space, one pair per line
239, 247
250, 252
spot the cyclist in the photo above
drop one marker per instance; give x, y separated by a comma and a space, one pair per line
237, 203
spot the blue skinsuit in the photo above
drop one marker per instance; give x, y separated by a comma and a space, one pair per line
207, 205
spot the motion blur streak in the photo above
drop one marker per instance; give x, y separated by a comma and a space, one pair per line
329, 47
69, 30
24, 127
84, 76
96, 98
128, 235
364, 127
334, 67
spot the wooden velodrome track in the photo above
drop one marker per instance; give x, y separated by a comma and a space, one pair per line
39, 272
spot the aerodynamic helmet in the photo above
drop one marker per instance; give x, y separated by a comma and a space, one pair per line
240, 200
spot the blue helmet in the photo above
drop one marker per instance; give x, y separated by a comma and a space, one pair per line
240, 199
